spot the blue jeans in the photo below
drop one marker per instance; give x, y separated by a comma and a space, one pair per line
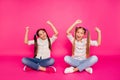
35, 63
81, 64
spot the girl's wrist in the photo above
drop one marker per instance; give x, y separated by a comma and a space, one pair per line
99, 31
27, 31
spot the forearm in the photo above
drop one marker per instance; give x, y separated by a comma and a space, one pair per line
26, 37
54, 29
70, 28
99, 38
73, 25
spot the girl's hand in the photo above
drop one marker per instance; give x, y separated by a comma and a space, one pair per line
78, 21
97, 29
27, 28
48, 22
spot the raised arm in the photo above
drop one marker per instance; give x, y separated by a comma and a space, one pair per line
53, 27
73, 25
99, 35
26, 35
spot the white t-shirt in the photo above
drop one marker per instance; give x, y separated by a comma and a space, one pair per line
43, 47
80, 47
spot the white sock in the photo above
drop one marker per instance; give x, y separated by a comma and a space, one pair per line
89, 70
69, 70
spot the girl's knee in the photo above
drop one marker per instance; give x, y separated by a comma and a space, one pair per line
66, 58
52, 61
94, 58
24, 60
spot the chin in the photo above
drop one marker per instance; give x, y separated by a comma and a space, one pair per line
79, 39
44, 38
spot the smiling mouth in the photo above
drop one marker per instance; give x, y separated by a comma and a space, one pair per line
78, 37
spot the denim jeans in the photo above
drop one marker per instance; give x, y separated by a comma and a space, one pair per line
81, 64
35, 63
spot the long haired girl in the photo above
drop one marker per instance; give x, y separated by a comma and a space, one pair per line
42, 47
81, 59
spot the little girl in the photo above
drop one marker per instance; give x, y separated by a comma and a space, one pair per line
42, 47
80, 59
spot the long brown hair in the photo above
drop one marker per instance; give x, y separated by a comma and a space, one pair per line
35, 41
87, 44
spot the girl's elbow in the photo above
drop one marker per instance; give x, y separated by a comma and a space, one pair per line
99, 44
26, 42
56, 34
67, 33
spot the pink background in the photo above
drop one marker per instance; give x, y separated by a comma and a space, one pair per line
15, 15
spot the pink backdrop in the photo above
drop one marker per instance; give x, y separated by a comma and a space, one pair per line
15, 15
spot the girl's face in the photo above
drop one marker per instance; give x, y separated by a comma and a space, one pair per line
79, 34
42, 34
